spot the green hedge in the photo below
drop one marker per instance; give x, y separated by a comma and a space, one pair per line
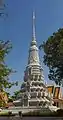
6, 114
44, 114
39, 113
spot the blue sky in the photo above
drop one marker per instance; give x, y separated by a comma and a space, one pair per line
17, 27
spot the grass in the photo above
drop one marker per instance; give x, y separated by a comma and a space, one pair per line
6, 114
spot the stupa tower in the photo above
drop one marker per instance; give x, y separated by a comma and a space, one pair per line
33, 89
33, 51
34, 66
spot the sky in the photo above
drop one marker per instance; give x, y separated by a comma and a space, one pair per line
17, 28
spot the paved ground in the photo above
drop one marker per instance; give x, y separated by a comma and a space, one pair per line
30, 118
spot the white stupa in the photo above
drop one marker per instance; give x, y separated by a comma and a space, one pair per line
33, 89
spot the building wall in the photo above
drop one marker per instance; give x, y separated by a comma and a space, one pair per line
57, 97
61, 105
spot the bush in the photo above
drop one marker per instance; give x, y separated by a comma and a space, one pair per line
60, 112
10, 113
40, 113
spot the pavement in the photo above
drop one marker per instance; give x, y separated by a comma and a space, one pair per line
30, 118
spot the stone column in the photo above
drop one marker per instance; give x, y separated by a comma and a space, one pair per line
28, 103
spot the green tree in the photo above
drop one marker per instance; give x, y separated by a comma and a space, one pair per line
5, 71
16, 94
3, 7
53, 56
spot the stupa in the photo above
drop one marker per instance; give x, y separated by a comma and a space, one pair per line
33, 89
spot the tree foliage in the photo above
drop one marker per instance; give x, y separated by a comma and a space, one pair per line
3, 7
5, 71
53, 57
16, 94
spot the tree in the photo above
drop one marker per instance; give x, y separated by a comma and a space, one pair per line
16, 94
3, 6
3, 99
53, 56
5, 71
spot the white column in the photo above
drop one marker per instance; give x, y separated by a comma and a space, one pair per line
28, 103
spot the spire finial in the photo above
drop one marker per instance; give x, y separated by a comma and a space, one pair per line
34, 37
